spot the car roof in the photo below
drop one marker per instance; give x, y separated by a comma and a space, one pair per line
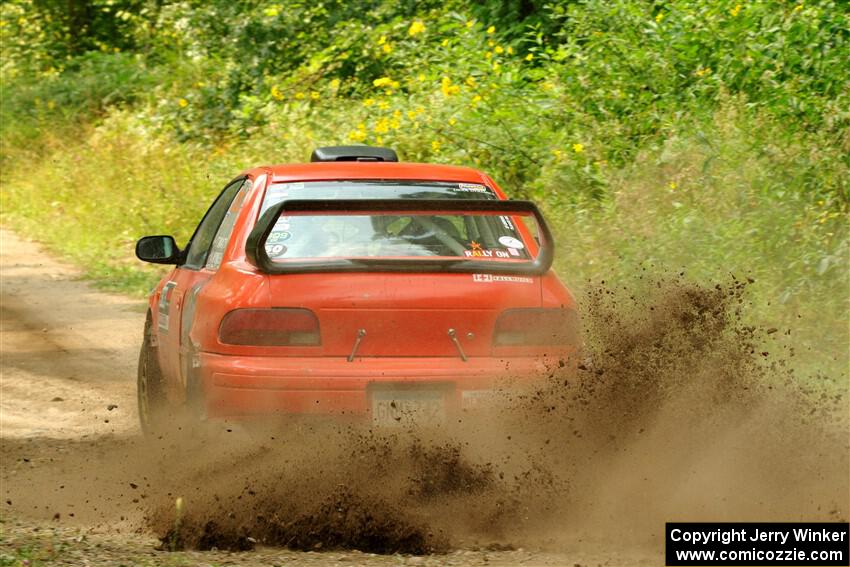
321, 171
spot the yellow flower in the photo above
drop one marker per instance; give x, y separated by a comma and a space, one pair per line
369, 102
315, 95
529, 57
476, 99
470, 81
272, 11
383, 82
357, 135
491, 30
510, 50
411, 115
276, 93
447, 87
702, 71
420, 110
488, 55
299, 95
798, 7
416, 27
387, 48
397, 114
673, 185
578, 148
452, 121
183, 103
379, 139
557, 153
383, 105
435, 146
496, 66
445, 43
334, 84
421, 77
382, 126
659, 17
499, 49
735, 11
490, 43
470, 23
395, 124
382, 40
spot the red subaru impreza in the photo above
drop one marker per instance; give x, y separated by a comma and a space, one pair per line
353, 285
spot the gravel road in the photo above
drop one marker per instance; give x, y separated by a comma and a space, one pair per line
71, 448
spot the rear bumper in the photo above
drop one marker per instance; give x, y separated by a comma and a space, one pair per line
242, 386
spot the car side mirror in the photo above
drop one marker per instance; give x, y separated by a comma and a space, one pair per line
158, 250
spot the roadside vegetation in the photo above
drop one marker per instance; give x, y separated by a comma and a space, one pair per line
704, 136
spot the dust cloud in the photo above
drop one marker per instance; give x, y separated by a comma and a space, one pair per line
676, 410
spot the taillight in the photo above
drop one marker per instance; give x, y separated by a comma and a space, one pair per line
521, 327
270, 327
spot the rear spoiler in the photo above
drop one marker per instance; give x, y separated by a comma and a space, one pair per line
256, 251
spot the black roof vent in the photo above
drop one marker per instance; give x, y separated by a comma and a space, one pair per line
353, 153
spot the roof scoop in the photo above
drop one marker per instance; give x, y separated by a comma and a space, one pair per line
353, 153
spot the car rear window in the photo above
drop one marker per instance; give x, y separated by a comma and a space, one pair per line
473, 236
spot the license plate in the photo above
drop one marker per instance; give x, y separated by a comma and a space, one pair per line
402, 407
475, 399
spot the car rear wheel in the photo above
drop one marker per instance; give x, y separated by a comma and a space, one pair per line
150, 388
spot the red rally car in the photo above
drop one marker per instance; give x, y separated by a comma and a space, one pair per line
352, 285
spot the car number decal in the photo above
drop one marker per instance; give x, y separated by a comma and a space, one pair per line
493, 278
164, 304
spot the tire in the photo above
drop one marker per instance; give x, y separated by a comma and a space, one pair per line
150, 388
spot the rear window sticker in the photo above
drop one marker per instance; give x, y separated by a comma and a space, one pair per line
478, 252
275, 250
506, 222
278, 236
511, 242
493, 278
473, 187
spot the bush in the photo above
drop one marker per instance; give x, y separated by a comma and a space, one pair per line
709, 136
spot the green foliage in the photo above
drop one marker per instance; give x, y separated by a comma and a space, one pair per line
42, 35
62, 101
704, 135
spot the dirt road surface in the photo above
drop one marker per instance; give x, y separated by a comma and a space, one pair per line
71, 444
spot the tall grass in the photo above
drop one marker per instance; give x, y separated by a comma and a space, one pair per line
716, 200
703, 136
